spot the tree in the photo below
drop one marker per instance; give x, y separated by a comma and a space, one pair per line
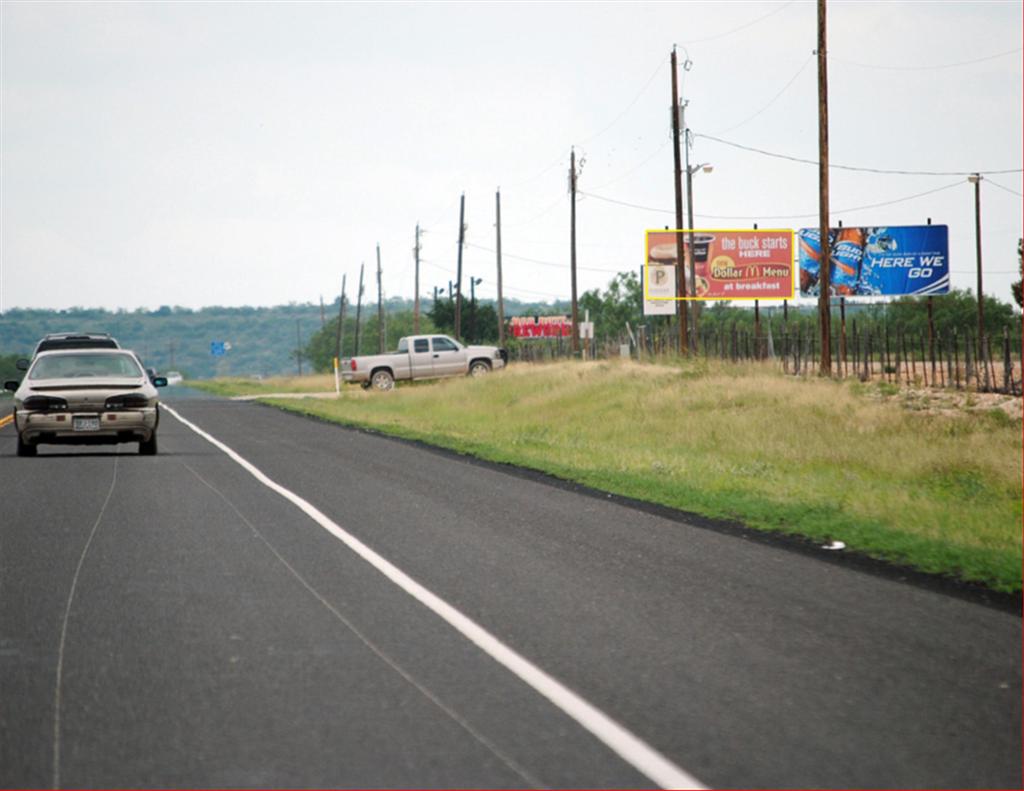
620, 302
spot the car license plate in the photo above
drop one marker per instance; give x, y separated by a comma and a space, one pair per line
85, 424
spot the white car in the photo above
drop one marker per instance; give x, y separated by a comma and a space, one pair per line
86, 396
174, 378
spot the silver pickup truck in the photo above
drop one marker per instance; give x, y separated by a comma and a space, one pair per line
422, 357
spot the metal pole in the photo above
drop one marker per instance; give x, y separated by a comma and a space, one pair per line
976, 178
824, 306
695, 307
359, 308
458, 276
501, 299
380, 307
682, 309
341, 322
572, 250
416, 302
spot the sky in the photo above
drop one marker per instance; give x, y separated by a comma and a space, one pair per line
243, 153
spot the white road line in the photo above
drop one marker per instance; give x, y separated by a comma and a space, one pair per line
633, 750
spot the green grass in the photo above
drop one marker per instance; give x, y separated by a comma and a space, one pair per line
938, 489
236, 386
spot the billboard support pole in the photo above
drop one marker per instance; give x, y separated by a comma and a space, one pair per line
931, 330
684, 345
824, 289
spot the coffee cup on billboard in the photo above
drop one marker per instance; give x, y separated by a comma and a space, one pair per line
701, 246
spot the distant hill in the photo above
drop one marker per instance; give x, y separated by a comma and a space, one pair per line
263, 340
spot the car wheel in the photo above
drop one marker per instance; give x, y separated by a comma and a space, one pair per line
25, 449
479, 368
382, 380
148, 447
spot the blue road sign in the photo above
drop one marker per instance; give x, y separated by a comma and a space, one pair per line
217, 348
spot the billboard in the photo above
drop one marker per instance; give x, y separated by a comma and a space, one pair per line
877, 260
541, 326
729, 264
659, 290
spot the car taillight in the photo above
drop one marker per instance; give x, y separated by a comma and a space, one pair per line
44, 403
353, 363
127, 401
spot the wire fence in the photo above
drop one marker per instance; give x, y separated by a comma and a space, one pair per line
952, 359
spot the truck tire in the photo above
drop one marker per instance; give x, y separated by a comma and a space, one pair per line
479, 368
382, 380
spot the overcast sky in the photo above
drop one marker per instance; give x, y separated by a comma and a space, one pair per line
251, 153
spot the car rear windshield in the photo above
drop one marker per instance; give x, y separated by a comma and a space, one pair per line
73, 366
77, 343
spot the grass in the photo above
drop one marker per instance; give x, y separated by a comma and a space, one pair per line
939, 490
232, 386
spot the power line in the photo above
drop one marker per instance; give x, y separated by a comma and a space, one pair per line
924, 68
779, 216
561, 158
636, 167
536, 216
628, 107
773, 99
1005, 189
858, 169
738, 29
538, 261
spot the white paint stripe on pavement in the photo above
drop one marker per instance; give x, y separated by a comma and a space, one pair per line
633, 750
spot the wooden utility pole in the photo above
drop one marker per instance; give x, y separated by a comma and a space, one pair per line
572, 250
298, 346
416, 302
380, 307
824, 286
340, 333
501, 299
458, 274
359, 308
976, 179
684, 334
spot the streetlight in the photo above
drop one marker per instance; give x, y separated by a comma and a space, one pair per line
976, 181
706, 167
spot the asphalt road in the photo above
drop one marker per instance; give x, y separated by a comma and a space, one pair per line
171, 621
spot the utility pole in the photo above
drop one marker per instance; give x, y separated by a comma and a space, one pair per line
380, 307
976, 181
473, 283
416, 303
339, 335
824, 286
572, 250
359, 308
501, 299
684, 334
323, 316
458, 275
298, 346
171, 350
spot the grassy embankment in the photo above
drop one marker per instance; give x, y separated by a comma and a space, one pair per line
936, 489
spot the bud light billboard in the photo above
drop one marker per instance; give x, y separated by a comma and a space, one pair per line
877, 261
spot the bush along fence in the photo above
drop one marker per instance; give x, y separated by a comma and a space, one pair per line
952, 359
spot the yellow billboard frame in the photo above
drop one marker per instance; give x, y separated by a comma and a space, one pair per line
792, 262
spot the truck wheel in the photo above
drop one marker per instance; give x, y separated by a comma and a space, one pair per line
24, 449
382, 380
479, 368
148, 447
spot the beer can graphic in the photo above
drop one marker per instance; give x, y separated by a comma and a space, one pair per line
847, 254
810, 259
